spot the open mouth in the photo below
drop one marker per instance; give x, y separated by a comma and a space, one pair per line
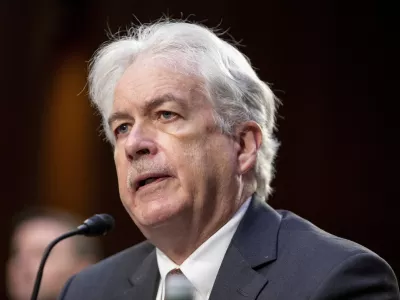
144, 182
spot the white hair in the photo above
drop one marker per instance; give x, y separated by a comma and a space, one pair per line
233, 87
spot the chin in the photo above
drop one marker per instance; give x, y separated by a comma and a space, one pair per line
154, 220
156, 213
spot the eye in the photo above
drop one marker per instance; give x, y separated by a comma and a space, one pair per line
121, 129
167, 115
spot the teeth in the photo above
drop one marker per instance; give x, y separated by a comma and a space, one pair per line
149, 180
146, 181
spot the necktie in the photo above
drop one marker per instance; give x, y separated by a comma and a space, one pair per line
177, 286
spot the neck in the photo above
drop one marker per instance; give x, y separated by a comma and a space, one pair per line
179, 241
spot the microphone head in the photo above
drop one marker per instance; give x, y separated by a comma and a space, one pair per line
99, 224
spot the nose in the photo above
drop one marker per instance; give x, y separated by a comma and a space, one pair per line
140, 142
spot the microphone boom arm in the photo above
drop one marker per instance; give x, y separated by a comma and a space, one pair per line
97, 225
44, 258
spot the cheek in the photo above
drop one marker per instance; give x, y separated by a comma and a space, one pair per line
118, 155
193, 159
221, 157
186, 158
121, 166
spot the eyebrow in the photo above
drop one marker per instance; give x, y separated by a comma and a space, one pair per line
149, 106
119, 115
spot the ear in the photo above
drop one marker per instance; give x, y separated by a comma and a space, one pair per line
249, 137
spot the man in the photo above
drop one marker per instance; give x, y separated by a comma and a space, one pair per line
34, 230
192, 125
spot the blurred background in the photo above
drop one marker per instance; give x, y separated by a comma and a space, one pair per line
331, 63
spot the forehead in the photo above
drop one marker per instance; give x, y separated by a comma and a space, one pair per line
146, 79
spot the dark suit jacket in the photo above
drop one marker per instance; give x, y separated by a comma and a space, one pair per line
273, 255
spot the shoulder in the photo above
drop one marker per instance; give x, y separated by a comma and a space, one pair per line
331, 265
306, 236
121, 262
301, 240
95, 282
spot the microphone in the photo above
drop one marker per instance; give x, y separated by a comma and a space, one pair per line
99, 224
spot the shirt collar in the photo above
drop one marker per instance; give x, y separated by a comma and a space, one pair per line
202, 266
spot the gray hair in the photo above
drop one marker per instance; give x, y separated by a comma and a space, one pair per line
231, 84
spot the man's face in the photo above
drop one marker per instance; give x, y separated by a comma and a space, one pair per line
27, 246
171, 158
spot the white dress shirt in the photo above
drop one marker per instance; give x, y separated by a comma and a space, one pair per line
201, 267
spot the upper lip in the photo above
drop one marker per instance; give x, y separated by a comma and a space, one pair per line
138, 179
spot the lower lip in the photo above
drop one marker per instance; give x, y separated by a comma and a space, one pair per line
152, 183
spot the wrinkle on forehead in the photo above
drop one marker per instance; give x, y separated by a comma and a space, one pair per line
146, 79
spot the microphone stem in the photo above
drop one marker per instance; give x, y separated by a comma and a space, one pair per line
44, 258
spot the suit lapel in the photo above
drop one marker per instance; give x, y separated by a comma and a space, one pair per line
253, 247
143, 284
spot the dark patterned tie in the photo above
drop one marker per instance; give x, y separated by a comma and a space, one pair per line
177, 286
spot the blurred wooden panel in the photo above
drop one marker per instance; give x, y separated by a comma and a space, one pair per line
66, 177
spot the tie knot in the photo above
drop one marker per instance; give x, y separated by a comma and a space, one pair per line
175, 271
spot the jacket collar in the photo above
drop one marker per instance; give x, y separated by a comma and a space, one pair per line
143, 283
253, 246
